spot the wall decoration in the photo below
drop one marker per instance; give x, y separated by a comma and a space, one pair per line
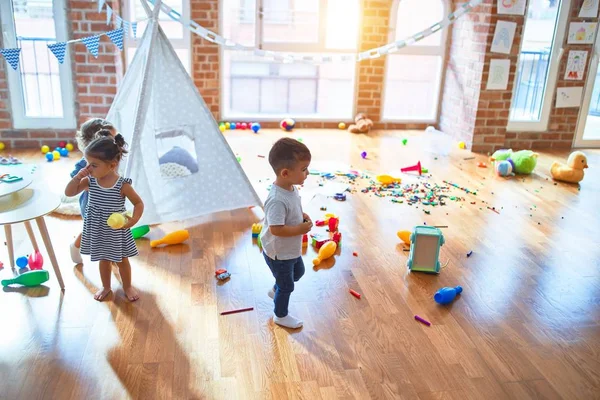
498, 75
576, 65
503, 37
511, 7
589, 9
581, 32
569, 97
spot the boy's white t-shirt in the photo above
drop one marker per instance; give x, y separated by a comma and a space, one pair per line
282, 207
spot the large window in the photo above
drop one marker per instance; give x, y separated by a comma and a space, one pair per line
260, 88
41, 90
413, 75
178, 35
539, 60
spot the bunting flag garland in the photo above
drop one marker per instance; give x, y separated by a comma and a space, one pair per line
109, 13
117, 37
126, 25
119, 22
134, 29
11, 56
92, 43
58, 49
100, 5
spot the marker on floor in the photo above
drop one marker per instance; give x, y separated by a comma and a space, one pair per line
237, 311
424, 321
355, 294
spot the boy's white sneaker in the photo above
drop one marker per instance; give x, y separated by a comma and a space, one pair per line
288, 321
75, 254
271, 293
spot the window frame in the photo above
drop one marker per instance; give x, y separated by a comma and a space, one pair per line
185, 43
294, 47
20, 119
556, 56
416, 50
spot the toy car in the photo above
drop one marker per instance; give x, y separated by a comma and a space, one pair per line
340, 196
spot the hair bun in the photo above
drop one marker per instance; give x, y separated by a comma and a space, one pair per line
119, 140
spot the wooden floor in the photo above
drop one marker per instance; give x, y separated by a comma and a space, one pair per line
527, 325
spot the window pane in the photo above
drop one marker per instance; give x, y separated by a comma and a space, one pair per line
173, 29
287, 23
40, 77
254, 87
532, 72
412, 87
342, 24
239, 21
416, 15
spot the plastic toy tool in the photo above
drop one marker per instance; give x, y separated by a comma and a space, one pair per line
416, 168
446, 295
31, 278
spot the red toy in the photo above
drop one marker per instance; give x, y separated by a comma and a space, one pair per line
355, 294
333, 224
337, 238
319, 222
35, 261
62, 144
355, 254
319, 240
416, 167
220, 271
304, 241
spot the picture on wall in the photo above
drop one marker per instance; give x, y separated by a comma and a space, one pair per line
511, 7
589, 9
576, 65
569, 97
503, 37
498, 75
581, 32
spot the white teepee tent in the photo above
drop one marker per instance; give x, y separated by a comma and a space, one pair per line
179, 161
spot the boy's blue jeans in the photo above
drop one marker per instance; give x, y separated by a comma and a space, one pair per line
286, 272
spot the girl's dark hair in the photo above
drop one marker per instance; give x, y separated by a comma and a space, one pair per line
106, 147
86, 134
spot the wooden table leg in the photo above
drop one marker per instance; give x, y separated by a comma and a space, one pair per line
31, 235
9, 243
46, 238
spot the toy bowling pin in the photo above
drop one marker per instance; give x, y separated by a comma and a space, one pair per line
31, 278
446, 294
172, 238
416, 167
326, 251
140, 231
35, 261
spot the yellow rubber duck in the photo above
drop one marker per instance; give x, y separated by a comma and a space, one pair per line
571, 172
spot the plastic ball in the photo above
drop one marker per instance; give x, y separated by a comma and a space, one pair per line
504, 168
341, 125
116, 220
244, 125
49, 156
233, 125
222, 128
255, 127
22, 262
64, 152
287, 124
69, 147
56, 155
62, 143
2, 146
45, 149
462, 145
363, 154
227, 125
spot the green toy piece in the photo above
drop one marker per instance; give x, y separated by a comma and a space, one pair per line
140, 231
31, 278
524, 161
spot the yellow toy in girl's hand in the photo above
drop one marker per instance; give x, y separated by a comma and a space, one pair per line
326, 251
116, 220
172, 238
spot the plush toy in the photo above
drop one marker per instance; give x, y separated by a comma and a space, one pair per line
362, 124
504, 168
571, 172
523, 161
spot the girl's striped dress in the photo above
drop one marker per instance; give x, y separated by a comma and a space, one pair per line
99, 240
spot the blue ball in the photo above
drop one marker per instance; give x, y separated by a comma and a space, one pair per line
255, 127
232, 126
49, 156
22, 262
64, 152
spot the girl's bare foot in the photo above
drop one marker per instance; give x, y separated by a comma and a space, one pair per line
102, 294
131, 293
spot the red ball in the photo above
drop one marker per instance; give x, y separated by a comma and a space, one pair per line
244, 125
62, 144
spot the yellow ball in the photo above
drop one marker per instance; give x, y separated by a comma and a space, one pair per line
45, 149
56, 155
69, 147
342, 125
222, 128
2, 146
227, 125
462, 145
116, 221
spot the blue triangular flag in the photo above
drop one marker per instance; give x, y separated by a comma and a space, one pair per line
92, 43
117, 37
109, 12
126, 26
11, 56
58, 49
119, 22
100, 5
134, 28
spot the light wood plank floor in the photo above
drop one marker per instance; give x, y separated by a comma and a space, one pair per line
527, 325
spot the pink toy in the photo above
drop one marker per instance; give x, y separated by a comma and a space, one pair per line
416, 167
35, 261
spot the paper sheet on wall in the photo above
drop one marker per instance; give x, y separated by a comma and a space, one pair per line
581, 32
589, 9
576, 65
498, 75
511, 7
503, 37
569, 97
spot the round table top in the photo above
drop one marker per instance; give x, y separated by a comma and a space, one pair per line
21, 170
28, 204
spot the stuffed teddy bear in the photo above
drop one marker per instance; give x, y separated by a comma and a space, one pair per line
523, 161
362, 124
571, 172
